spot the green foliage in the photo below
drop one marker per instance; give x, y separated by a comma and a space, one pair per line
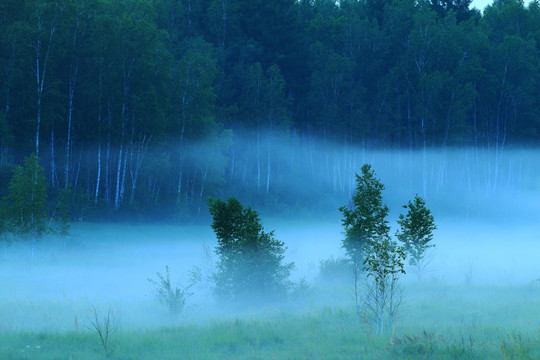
332, 270
371, 249
174, 297
250, 260
416, 230
384, 262
383, 265
167, 75
24, 206
365, 221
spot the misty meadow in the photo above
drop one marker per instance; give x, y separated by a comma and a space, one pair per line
269, 180
477, 296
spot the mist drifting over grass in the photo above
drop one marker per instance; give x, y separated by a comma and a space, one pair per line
485, 204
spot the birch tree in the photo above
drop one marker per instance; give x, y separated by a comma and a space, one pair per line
416, 234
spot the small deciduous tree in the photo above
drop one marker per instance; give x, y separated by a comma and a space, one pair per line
24, 206
383, 265
364, 222
416, 233
250, 262
372, 252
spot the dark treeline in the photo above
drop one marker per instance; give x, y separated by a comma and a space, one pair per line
142, 105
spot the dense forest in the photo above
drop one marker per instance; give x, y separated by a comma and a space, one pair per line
152, 106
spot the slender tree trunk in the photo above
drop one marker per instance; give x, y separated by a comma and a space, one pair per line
108, 155
40, 71
71, 92
224, 20
424, 160
182, 157
409, 123
141, 151
9, 76
123, 185
205, 175
126, 68
501, 120
98, 177
180, 178
54, 176
120, 158
356, 289
73, 73
77, 173
268, 168
118, 171
258, 160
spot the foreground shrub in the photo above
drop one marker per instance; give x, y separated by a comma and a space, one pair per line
174, 297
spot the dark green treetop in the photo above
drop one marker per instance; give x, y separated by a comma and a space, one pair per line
250, 260
24, 206
416, 230
365, 221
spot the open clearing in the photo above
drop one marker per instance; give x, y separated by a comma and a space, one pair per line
473, 304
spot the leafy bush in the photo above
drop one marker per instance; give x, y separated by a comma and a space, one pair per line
334, 270
250, 263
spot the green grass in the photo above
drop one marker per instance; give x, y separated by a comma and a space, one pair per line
437, 322
45, 307
324, 336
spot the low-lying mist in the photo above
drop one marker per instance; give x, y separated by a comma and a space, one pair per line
485, 207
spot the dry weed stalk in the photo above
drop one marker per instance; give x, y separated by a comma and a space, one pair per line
103, 328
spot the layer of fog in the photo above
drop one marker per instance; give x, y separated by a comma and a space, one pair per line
486, 236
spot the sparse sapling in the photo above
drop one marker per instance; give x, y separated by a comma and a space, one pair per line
364, 222
383, 266
103, 328
171, 296
372, 252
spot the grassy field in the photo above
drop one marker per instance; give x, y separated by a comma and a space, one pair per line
436, 322
46, 304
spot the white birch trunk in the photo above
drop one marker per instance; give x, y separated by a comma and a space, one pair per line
54, 177
118, 169
98, 177
72, 82
40, 71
